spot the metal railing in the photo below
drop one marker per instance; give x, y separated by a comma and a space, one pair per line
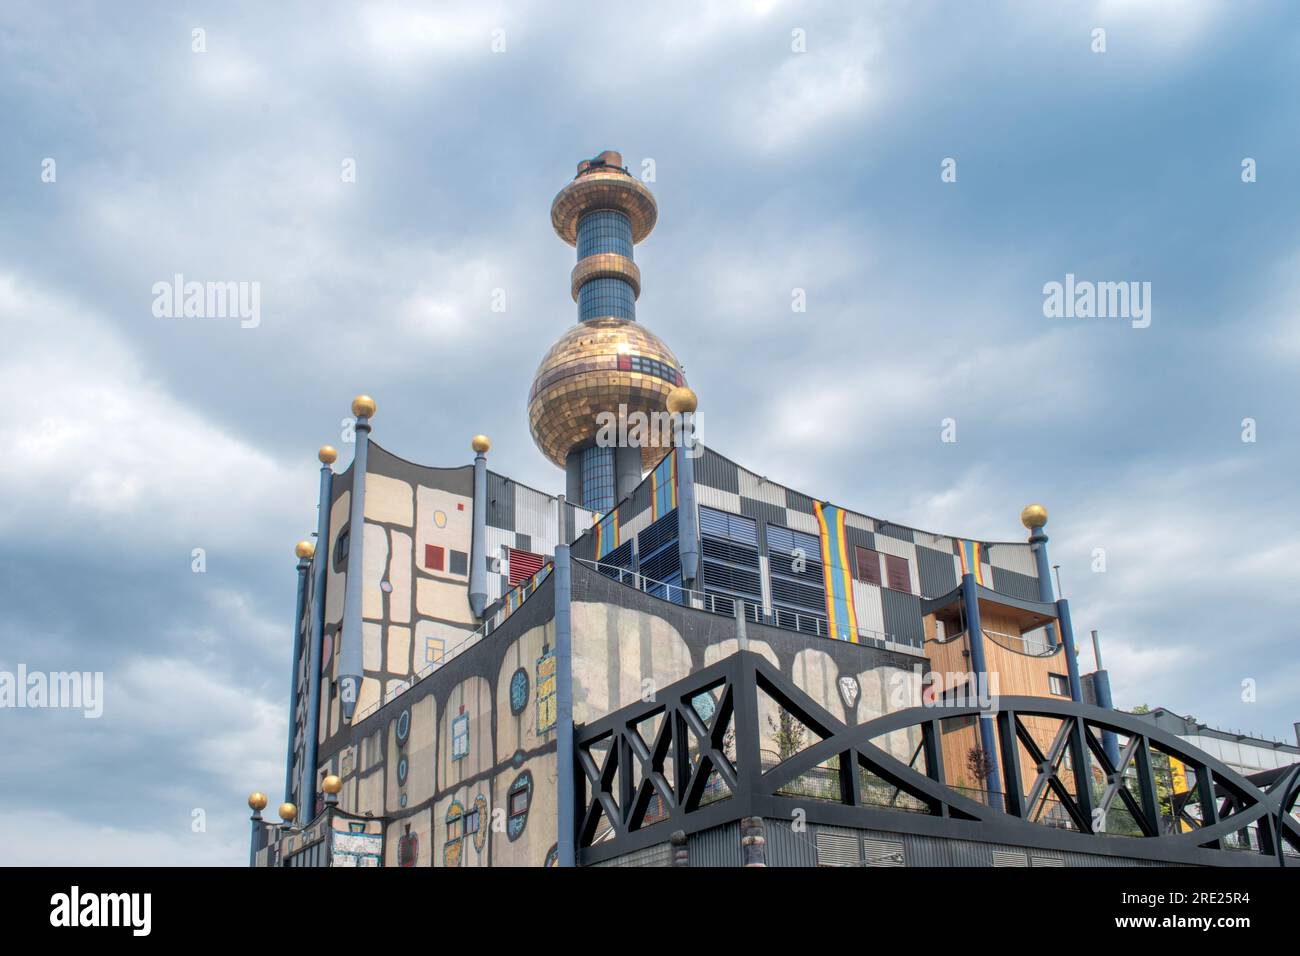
1021, 644
726, 605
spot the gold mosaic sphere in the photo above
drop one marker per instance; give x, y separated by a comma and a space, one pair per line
591, 370
363, 406
257, 800
1034, 516
288, 811
305, 549
328, 454
331, 784
480, 444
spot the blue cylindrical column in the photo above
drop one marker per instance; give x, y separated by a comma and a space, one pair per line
1071, 658
256, 803
688, 532
320, 565
1034, 517
566, 850
351, 668
988, 736
304, 552
604, 240
478, 532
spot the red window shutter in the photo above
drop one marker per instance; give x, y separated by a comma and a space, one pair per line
899, 577
434, 557
868, 565
625, 363
523, 565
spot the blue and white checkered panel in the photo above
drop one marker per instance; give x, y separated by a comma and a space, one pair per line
1014, 557
536, 516
903, 549
760, 489
869, 608
709, 497
636, 524
801, 521
860, 522
937, 541
498, 542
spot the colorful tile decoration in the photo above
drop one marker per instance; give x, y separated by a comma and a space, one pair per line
970, 559
840, 613
546, 686
607, 534
664, 481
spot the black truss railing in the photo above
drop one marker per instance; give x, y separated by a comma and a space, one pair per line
694, 758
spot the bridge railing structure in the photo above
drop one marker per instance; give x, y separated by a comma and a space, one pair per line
707, 751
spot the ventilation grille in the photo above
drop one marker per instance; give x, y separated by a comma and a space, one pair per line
837, 847
883, 853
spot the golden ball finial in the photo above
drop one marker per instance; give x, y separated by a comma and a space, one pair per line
328, 454
1034, 516
682, 400
257, 800
287, 812
480, 444
331, 784
363, 406
304, 549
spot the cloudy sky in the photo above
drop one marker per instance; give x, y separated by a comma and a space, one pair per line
130, 439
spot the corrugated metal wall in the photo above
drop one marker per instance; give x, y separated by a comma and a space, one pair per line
717, 847
821, 845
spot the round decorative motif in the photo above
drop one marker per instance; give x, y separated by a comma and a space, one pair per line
440, 519
480, 835
403, 727
402, 769
518, 799
552, 856
518, 691
401, 801
386, 587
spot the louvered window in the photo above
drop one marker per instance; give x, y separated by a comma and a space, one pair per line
795, 571
729, 560
660, 560
523, 565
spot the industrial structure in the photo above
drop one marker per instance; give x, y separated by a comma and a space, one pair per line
681, 662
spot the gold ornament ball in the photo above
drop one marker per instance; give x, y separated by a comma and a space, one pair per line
331, 784
328, 454
363, 406
304, 549
682, 400
1034, 516
257, 800
481, 444
288, 811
